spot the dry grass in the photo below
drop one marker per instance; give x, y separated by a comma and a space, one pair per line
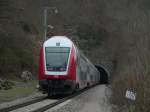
134, 75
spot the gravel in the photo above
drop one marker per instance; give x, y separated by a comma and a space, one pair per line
22, 100
93, 100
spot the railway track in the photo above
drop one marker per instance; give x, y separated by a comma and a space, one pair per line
14, 107
51, 103
60, 101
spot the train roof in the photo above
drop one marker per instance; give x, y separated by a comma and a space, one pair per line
58, 41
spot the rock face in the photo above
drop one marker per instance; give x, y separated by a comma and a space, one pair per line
5, 84
26, 76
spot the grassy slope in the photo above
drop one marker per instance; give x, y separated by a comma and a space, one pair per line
19, 47
19, 32
130, 52
18, 91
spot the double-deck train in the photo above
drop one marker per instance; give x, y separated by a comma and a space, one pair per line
63, 68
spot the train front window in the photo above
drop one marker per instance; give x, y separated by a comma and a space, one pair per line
57, 58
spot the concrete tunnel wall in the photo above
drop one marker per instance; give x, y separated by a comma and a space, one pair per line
104, 78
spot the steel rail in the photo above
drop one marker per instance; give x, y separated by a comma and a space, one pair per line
42, 109
14, 107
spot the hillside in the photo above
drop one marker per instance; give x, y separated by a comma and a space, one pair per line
112, 33
19, 32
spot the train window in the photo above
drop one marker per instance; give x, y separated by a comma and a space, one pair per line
56, 58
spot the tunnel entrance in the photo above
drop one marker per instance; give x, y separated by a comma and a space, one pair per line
104, 74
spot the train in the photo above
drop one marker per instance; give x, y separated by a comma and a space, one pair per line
63, 68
